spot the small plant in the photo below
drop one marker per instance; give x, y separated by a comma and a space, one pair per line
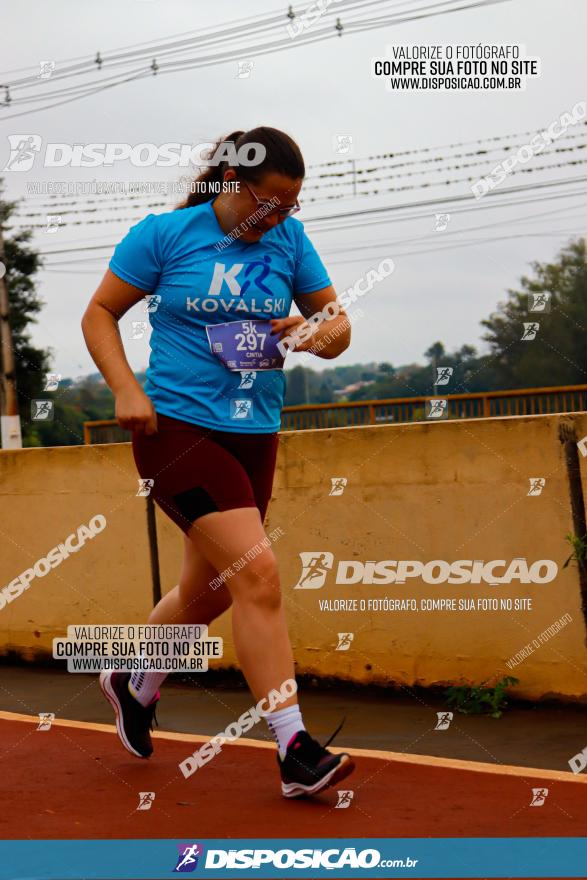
579, 546
476, 699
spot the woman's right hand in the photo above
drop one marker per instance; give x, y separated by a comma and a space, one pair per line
135, 411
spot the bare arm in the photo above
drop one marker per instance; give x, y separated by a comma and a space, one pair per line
113, 298
330, 336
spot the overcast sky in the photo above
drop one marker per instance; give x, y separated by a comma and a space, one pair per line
317, 93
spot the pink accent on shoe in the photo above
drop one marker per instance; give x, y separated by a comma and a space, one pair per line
155, 698
291, 740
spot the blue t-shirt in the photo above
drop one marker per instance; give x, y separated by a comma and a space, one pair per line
173, 256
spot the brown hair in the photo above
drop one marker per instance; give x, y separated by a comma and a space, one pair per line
282, 155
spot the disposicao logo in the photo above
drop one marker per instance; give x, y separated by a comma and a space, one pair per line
316, 565
188, 858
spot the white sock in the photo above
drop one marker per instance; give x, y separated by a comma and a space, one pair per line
144, 686
284, 724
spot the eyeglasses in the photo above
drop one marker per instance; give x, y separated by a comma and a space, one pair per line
283, 212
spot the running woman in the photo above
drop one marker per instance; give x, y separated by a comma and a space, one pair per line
205, 428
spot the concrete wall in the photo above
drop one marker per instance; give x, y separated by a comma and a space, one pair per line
447, 491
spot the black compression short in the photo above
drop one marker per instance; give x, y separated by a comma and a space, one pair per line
199, 470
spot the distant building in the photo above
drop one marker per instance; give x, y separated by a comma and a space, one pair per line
348, 389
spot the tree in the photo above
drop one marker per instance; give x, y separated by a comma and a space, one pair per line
325, 391
386, 368
465, 353
435, 352
297, 387
32, 364
553, 352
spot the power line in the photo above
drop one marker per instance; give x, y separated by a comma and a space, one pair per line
318, 33
459, 198
103, 203
454, 232
534, 217
93, 206
413, 151
418, 252
459, 245
403, 219
373, 212
149, 43
396, 189
347, 172
379, 246
240, 28
93, 91
368, 224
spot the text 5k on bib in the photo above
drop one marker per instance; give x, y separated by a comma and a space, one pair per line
245, 345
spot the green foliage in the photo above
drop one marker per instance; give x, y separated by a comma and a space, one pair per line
31, 363
558, 355
579, 546
305, 385
476, 699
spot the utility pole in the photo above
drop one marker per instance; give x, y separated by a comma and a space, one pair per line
9, 417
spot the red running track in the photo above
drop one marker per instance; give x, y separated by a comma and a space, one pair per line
77, 781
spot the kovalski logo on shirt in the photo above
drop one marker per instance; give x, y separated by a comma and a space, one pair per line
223, 276
224, 281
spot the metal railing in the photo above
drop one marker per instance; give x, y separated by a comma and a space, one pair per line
399, 410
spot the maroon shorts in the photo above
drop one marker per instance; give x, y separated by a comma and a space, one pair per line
197, 470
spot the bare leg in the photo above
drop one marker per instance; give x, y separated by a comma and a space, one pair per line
258, 621
193, 600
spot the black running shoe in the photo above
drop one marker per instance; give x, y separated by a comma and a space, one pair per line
133, 721
309, 767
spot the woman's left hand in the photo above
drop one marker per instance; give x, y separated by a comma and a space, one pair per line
292, 326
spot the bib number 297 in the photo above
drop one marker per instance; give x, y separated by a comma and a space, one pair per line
249, 339
245, 345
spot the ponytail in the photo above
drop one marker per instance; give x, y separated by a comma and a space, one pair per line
213, 174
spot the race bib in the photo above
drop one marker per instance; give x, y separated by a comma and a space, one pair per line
245, 345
